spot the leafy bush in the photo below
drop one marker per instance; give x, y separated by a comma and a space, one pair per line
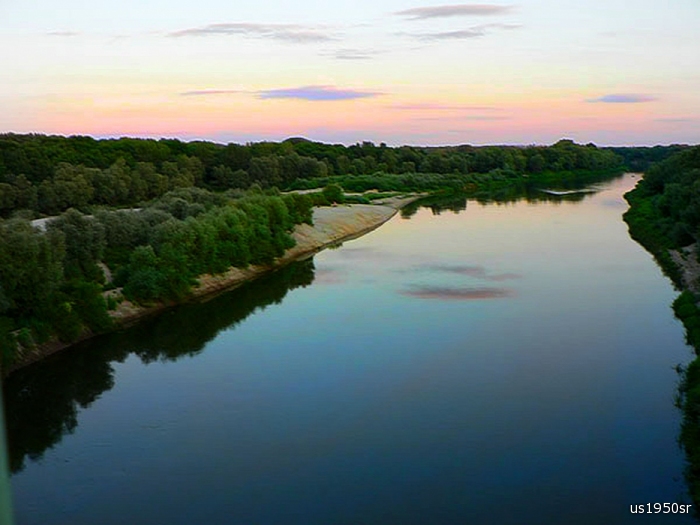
334, 194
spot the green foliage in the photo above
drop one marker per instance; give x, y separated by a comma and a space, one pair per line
665, 207
24, 338
145, 282
334, 194
112, 303
639, 159
252, 229
685, 308
31, 268
8, 342
89, 304
64, 320
357, 199
318, 199
84, 240
175, 229
380, 195
51, 174
664, 214
300, 208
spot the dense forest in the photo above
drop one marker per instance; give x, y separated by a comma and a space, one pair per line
146, 217
664, 217
665, 207
45, 175
52, 279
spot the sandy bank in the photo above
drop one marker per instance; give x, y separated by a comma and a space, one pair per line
332, 225
687, 261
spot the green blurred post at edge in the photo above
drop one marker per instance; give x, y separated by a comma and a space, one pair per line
5, 499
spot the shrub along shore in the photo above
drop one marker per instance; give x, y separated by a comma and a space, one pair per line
664, 217
329, 225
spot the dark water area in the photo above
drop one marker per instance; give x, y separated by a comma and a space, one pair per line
468, 362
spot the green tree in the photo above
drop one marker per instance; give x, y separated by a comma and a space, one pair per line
145, 282
334, 193
84, 245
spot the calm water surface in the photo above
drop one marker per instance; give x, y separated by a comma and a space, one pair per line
506, 364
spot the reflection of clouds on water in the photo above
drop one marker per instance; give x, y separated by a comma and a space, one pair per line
504, 277
613, 203
473, 271
329, 275
478, 272
456, 294
611, 267
361, 252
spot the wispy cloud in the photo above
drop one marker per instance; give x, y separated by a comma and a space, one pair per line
457, 294
288, 32
316, 93
460, 34
429, 106
679, 120
485, 117
623, 98
443, 11
352, 54
203, 92
63, 33
455, 119
312, 93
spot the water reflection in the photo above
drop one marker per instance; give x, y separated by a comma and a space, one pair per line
43, 400
457, 202
478, 272
449, 293
529, 193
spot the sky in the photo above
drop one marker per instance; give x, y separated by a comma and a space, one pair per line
611, 72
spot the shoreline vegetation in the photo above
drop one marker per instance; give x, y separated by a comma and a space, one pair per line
332, 225
664, 217
97, 232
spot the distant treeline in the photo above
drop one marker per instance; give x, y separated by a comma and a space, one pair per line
665, 207
52, 281
640, 158
49, 174
664, 215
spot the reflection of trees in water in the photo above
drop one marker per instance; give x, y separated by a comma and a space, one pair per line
42, 401
457, 202
529, 194
187, 329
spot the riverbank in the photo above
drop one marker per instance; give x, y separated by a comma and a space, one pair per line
680, 264
332, 225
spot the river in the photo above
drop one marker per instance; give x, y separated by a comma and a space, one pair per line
499, 363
